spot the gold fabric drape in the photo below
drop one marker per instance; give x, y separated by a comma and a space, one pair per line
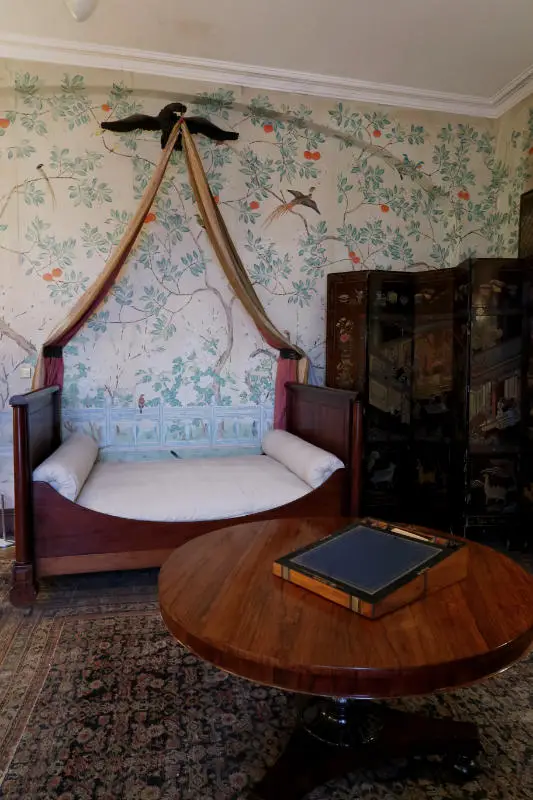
229, 258
89, 300
221, 242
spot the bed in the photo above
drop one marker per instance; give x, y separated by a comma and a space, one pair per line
58, 536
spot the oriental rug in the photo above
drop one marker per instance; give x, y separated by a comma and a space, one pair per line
97, 702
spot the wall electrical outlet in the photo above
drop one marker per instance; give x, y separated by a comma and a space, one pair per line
26, 371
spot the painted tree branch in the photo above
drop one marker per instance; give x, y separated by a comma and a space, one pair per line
263, 352
25, 344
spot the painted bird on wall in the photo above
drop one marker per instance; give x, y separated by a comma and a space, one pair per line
408, 167
40, 168
300, 199
165, 121
141, 402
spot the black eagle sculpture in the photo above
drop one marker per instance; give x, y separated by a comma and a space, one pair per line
165, 121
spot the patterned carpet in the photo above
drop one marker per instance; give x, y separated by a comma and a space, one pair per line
98, 703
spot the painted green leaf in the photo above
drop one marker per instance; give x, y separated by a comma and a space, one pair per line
88, 191
214, 103
123, 292
33, 196
33, 122
98, 322
26, 84
93, 241
24, 150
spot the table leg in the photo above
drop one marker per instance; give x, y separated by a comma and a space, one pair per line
338, 736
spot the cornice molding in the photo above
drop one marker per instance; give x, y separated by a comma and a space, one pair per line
96, 56
514, 92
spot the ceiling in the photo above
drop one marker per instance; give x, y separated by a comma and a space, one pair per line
469, 51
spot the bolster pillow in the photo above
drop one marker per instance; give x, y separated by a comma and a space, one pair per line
311, 464
67, 469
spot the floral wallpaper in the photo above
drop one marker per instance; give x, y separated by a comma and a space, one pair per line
170, 364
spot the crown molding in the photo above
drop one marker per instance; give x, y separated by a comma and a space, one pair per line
96, 56
514, 92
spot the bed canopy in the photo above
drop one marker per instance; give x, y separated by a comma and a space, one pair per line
292, 364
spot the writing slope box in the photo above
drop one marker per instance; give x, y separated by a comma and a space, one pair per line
374, 568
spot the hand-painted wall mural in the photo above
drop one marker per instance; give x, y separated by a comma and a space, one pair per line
170, 362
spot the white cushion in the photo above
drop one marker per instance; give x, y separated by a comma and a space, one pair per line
311, 464
190, 489
66, 470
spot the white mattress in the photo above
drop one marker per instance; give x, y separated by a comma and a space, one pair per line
190, 489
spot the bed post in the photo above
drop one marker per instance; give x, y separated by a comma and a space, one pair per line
36, 434
24, 587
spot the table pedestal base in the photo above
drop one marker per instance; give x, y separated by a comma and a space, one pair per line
339, 736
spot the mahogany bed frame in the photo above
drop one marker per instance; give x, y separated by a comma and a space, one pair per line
54, 536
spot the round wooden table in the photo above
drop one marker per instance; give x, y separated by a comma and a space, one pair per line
219, 598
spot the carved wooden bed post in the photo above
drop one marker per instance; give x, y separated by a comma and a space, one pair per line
36, 433
23, 589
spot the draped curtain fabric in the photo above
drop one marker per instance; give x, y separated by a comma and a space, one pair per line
292, 363
49, 370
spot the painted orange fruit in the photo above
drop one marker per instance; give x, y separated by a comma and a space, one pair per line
354, 257
4, 123
48, 276
254, 205
384, 207
308, 154
151, 217
376, 133
316, 156
268, 128
57, 272
216, 198
106, 107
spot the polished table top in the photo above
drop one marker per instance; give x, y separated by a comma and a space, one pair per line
219, 598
